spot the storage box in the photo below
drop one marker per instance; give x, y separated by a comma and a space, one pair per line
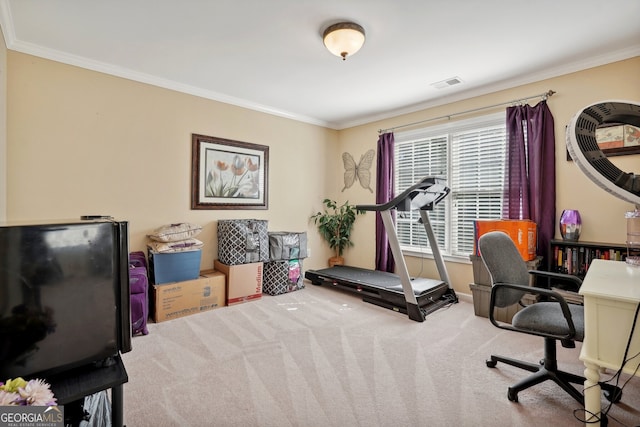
524, 234
481, 275
174, 267
243, 282
242, 241
281, 277
482, 302
287, 245
179, 299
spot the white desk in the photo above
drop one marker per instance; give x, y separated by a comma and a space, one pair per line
611, 291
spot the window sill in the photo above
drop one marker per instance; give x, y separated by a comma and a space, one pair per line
461, 259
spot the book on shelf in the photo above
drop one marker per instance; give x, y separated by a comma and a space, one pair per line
575, 259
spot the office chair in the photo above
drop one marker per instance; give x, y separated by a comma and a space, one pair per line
551, 317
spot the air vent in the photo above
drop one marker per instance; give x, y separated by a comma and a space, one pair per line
451, 81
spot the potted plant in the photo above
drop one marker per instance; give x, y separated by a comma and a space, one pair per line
335, 224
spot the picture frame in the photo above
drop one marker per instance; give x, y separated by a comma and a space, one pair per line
618, 140
228, 174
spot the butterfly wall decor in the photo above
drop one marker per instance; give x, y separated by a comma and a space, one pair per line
358, 171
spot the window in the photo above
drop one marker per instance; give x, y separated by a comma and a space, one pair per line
470, 155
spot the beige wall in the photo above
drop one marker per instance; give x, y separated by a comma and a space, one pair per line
602, 214
81, 142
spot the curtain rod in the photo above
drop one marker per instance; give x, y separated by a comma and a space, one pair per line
448, 116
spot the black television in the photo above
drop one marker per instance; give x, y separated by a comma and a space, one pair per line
64, 296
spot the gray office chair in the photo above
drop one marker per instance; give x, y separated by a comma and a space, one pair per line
551, 318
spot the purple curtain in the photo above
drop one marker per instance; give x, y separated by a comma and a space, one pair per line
531, 170
384, 193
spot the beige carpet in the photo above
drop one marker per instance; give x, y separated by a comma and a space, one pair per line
319, 357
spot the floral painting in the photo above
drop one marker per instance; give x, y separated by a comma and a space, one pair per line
228, 174
231, 175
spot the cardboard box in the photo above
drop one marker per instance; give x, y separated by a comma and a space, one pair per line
174, 266
244, 281
179, 299
524, 234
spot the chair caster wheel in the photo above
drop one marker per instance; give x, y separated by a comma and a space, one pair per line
613, 396
513, 397
491, 363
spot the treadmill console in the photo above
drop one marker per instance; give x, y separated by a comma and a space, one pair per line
423, 195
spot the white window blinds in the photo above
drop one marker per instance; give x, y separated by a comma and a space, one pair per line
470, 155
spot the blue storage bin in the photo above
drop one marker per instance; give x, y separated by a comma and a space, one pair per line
174, 266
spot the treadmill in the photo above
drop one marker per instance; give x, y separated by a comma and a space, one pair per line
416, 297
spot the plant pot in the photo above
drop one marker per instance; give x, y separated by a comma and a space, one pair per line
336, 260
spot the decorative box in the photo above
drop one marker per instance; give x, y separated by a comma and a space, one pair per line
242, 241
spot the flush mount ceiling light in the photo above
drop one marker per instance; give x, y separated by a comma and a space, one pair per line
343, 39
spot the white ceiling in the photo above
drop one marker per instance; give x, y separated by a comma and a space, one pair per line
268, 55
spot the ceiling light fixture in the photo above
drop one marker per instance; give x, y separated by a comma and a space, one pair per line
343, 39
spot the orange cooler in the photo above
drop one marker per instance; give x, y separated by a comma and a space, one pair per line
524, 234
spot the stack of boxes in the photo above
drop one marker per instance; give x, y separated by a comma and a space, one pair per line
251, 261
524, 235
243, 248
257, 261
283, 272
179, 287
174, 253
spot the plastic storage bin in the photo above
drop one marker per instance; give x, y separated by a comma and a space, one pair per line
174, 267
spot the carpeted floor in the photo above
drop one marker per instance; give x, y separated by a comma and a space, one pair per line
319, 357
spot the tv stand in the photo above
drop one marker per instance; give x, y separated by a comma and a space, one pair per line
75, 384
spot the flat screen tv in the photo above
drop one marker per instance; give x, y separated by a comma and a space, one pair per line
64, 296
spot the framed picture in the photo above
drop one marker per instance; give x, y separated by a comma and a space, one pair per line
618, 140
227, 174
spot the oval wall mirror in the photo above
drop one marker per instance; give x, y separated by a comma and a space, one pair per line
587, 151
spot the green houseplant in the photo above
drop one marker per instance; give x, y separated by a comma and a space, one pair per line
335, 224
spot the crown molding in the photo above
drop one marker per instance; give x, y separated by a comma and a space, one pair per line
573, 67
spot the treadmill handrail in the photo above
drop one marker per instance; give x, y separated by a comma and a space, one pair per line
404, 202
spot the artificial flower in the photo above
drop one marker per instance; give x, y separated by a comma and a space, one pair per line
8, 398
12, 386
35, 392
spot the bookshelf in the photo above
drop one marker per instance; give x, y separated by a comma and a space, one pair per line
574, 257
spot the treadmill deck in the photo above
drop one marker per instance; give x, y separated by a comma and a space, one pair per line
374, 278
379, 287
